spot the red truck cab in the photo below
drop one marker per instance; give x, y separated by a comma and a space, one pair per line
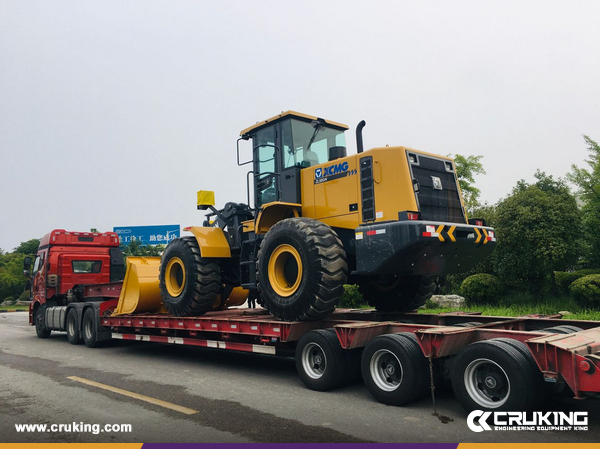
66, 261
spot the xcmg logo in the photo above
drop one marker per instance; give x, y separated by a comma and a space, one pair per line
335, 171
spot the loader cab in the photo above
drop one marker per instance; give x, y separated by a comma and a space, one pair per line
286, 144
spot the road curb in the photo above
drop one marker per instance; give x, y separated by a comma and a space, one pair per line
14, 310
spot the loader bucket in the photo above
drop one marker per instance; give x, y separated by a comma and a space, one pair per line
237, 297
140, 291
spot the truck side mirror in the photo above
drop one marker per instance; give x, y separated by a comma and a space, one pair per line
27, 266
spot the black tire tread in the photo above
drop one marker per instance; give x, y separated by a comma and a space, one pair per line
74, 339
539, 395
205, 282
336, 364
330, 263
416, 383
40, 329
406, 297
523, 400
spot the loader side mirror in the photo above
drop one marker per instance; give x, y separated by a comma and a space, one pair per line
27, 266
244, 137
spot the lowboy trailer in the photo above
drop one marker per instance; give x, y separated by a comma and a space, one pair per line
493, 363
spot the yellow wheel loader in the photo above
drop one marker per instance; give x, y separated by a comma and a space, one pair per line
388, 219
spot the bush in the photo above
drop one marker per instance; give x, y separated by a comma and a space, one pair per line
586, 291
351, 298
565, 278
9, 300
481, 288
24, 296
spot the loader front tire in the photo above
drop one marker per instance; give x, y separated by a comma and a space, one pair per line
301, 270
395, 293
189, 284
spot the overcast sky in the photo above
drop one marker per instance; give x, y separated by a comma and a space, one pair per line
115, 113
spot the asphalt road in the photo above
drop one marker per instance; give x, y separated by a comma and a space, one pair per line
239, 397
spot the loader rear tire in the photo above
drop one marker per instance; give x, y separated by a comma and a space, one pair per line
189, 284
301, 270
394, 293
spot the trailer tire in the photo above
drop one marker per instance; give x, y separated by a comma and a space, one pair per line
493, 375
189, 284
40, 322
88, 328
320, 360
468, 324
540, 384
395, 293
562, 329
394, 368
72, 327
301, 270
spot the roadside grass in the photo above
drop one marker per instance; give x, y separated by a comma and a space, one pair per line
525, 304
20, 308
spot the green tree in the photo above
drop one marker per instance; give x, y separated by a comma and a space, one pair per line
12, 281
588, 183
538, 228
466, 169
29, 247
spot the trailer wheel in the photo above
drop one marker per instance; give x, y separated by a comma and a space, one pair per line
72, 325
468, 324
562, 329
540, 385
320, 360
88, 329
301, 270
189, 284
395, 293
40, 322
394, 368
493, 375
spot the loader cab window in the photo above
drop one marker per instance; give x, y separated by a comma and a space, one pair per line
307, 143
265, 166
289, 143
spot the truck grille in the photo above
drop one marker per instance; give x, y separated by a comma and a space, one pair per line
438, 200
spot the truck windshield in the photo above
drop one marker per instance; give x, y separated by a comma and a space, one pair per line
86, 266
305, 144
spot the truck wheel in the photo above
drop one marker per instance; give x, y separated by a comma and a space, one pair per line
493, 375
394, 293
40, 322
394, 368
72, 325
301, 270
88, 328
320, 360
189, 283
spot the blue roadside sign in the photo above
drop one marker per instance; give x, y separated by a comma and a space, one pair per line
147, 235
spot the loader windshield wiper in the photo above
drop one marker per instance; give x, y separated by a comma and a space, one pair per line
314, 135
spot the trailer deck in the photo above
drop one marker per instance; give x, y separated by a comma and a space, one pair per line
573, 358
